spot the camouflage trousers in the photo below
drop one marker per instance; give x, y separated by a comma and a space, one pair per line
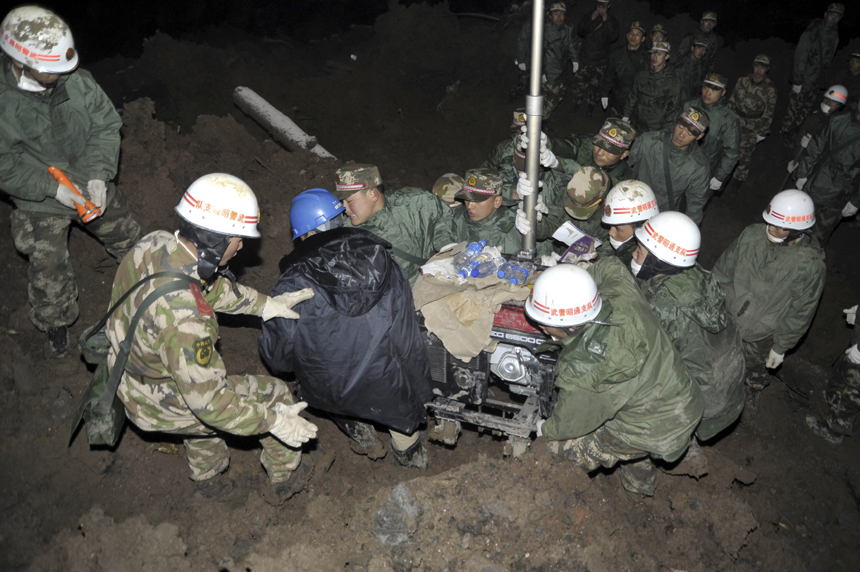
843, 397
44, 239
799, 106
603, 449
747, 148
587, 86
553, 95
207, 453
827, 218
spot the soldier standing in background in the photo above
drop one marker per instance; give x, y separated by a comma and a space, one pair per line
706, 33
598, 30
656, 94
850, 78
813, 54
624, 63
690, 68
753, 101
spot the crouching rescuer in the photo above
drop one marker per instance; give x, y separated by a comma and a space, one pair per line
175, 380
357, 352
624, 393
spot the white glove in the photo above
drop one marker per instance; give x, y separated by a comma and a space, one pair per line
774, 360
850, 314
849, 210
67, 197
800, 183
543, 78
796, 88
548, 159
540, 208
716, 184
604, 102
522, 223
522, 66
289, 427
804, 141
852, 353
759, 138
97, 190
625, 119
549, 260
792, 165
539, 427
524, 138
281, 306
575, 67
524, 186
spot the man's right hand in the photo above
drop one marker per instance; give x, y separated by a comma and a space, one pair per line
521, 66
67, 197
604, 102
796, 89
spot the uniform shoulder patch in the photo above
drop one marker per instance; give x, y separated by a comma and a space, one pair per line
203, 306
203, 352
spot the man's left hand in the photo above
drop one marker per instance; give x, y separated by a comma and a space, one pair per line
97, 190
774, 360
716, 184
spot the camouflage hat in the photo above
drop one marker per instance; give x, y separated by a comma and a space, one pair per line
615, 136
355, 177
699, 40
585, 192
661, 47
480, 185
716, 80
709, 16
695, 118
661, 29
447, 186
836, 7
603, 1
762, 59
519, 118
855, 54
558, 6
637, 25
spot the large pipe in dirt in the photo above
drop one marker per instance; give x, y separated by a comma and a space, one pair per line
534, 116
282, 128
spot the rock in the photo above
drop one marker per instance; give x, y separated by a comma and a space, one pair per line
398, 517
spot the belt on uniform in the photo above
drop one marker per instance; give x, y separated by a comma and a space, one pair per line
748, 115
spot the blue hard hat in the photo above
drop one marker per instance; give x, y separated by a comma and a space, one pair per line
312, 208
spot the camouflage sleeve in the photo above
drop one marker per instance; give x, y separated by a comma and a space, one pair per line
801, 54
724, 269
805, 294
609, 75
548, 224
731, 151
697, 193
814, 151
674, 103
575, 46
494, 159
222, 299
524, 41
100, 157
443, 222
632, 97
766, 119
21, 175
187, 348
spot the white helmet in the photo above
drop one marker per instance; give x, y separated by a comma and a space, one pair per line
564, 296
790, 209
838, 93
629, 202
672, 237
222, 204
38, 39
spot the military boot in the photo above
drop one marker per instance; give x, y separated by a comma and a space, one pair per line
218, 487
823, 430
363, 439
59, 340
415, 457
284, 490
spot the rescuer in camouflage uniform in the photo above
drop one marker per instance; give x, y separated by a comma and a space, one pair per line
831, 162
413, 220
813, 55
175, 380
624, 393
55, 115
598, 31
627, 207
688, 166
842, 395
832, 103
690, 68
607, 150
722, 142
584, 197
446, 188
560, 45
753, 100
656, 94
658, 34
624, 63
691, 307
773, 275
707, 34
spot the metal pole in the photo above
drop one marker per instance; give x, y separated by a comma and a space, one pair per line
534, 116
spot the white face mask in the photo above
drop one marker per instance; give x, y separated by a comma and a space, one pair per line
826, 109
616, 244
635, 267
771, 237
27, 83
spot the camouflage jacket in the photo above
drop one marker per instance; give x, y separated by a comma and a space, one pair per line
772, 290
73, 127
497, 229
754, 104
714, 41
688, 169
560, 45
831, 166
654, 99
813, 55
597, 38
626, 376
618, 80
691, 307
722, 141
580, 149
174, 369
416, 223
690, 74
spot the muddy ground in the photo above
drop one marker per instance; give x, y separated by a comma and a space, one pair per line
767, 495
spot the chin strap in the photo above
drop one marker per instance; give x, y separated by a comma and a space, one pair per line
228, 274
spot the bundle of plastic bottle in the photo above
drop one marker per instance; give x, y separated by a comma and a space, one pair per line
516, 274
485, 265
463, 261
